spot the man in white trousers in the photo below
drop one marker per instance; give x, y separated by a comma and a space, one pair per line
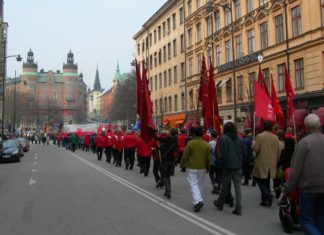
196, 158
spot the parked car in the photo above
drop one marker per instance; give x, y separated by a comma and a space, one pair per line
24, 143
10, 151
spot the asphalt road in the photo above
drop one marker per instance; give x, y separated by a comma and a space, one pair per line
54, 191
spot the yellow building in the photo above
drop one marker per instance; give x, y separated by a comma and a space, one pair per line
258, 27
161, 44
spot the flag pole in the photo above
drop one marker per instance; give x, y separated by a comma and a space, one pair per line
254, 126
294, 123
197, 117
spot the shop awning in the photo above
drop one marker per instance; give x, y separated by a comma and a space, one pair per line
179, 122
165, 123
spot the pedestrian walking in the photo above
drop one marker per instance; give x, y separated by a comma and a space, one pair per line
214, 178
308, 176
196, 158
231, 152
100, 143
130, 142
144, 153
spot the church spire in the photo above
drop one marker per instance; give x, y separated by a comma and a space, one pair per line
97, 85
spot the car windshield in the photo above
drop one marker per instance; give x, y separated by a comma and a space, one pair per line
8, 144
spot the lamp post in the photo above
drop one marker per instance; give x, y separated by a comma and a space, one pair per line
210, 8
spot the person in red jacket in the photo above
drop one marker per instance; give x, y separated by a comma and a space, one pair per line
109, 145
206, 137
130, 143
87, 142
118, 146
144, 156
100, 143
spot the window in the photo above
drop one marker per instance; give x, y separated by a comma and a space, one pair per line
279, 29
175, 74
150, 40
249, 5
251, 84
251, 41
299, 73
296, 21
262, 2
160, 80
155, 82
227, 51
229, 90
190, 72
138, 49
182, 101
281, 77
161, 106
169, 51
175, 47
165, 79
199, 36
160, 56
183, 74
239, 49
237, 9
154, 36
199, 60
151, 84
182, 43
264, 35
181, 15
159, 33
189, 5
209, 25
170, 104
191, 100
210, 56
168, 26
240, 87
165, 104
322, 11
218, 56
155, 59
164, 54
143, 46
219, 94
266, 75
217, 20
175, 103
163, 29
227, 16
174, 21
198, 4
151, 62
189, 37
156, 106
170, 77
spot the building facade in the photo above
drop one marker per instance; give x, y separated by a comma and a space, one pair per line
161, 44
281, 31
46, 97
94, 102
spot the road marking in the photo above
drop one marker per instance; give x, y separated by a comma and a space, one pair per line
32, 181
34, 170
35, 158
189, 216
35, 163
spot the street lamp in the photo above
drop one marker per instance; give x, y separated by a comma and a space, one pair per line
4, 29
209, 9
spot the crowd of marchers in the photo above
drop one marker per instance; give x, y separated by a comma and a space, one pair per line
275, 161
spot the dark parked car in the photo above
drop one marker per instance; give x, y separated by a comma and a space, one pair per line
24, 143
10, 150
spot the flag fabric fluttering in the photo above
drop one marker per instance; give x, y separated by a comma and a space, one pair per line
147, 125
279, 116
204, 95
262, 82
262, 103
215, 120
289, 94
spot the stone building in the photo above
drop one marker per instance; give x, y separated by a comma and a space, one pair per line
94, 106
48, 96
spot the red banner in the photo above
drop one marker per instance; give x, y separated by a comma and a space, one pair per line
289, 94
280, 118
262, 103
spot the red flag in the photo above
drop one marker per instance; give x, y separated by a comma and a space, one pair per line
146, 119
262, 103
262, 83
289, 94
213, 100
138, 90
204, 95
276, 106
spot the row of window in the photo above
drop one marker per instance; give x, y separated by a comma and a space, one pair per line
161, 31
168, 104
170, 77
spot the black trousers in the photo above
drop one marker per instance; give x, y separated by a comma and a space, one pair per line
167, 167
118, 156
264, 185
108, 153
99, 152
129, 157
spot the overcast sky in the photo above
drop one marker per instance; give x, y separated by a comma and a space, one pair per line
97, 31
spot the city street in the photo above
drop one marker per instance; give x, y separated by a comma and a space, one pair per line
54, 191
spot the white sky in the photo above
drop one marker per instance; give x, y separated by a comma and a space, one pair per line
97, 31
